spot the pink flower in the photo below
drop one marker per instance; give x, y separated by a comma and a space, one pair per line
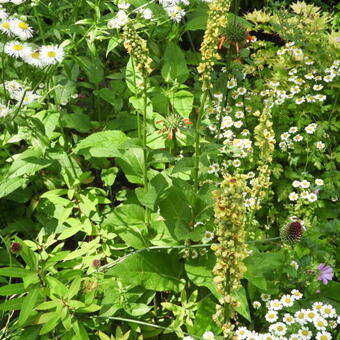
325, 273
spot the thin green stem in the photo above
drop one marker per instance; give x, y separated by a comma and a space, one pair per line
145, 151
41, 30
197, 139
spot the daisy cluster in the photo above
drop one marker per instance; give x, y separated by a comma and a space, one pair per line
288, 138
315, 322
304, 82
19, 30
175, 8
15, 2
306, 190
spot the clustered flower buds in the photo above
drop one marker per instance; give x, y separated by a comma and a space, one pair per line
217, 20
292, 232
231, 248
137, 48
265, 140
15, 248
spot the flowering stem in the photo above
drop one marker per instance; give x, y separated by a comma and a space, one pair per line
145, 151
197, 139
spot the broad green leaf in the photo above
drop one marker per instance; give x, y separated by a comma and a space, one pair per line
113, 43
64, 90
175, 68
13, 304
85, 248
54, 318
28, 305
15, 272
108, 176
103, 144
9, 185
14, 288
28, 163
132, 163
48, 305
57, 288
200, 272
197, 20
74, 287
80, 331
183, 101
147, 198
128, 221
93, 67
243, 309
151, 270
77, 121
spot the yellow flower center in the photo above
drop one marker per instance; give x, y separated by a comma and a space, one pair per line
305, 332
287, 300
320, 324
51, 54
18, 47
327, 311
23, 25
5, 25
311, 315
324, 337
280, 328
276, 304
35, 55
300, 315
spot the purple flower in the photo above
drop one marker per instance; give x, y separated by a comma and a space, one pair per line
316, 191
325, 273
338, 39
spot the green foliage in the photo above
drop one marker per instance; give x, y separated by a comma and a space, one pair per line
103, 234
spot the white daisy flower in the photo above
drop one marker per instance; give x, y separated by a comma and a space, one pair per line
17, 49
256, 304
299, 100
278, 328
264, 297
300, 316
236, 163
293, 129
305, 195
323, 336
296, 294
268, 336
21, 29
275, 304
287, 300
271, 316
317, 306
241, 91
51, 54
311, 315
119, 20
242, 333
26, 97
294, 337
305, 184
320, 323
213, 168
327, 311
297, 138
4, 110
312, 197
34, 59
293, 196
238, 124
305, 333
285, 136
208, 335
328, 78
5, 27
188, 338
288, 319
231, 83
123, 5
319, 145
239, 114
294, 264
296, 184
317, 87
319, 181
310, 129
208, 236
245, 132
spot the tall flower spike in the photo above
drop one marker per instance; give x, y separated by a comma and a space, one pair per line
292, 232
137, 48
265, 140
217, 20
231, 248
